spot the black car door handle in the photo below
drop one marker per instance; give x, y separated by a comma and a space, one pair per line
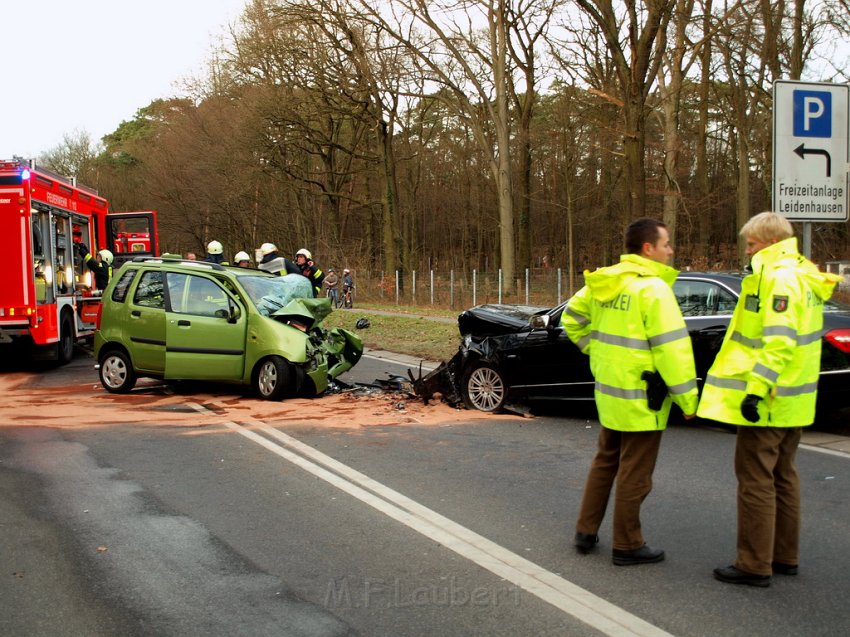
135, 313
183, 323
712, 331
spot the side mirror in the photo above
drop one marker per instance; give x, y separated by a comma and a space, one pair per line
539, 321
235, 313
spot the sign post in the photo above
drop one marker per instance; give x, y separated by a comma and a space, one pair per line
811, 141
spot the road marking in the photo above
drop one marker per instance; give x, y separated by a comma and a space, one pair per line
564, 595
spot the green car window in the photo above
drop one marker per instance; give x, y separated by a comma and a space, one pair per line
190, 294
149, 292
119, 292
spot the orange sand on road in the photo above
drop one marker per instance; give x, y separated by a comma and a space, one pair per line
89, 405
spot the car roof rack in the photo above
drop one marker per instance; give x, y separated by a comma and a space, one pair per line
189, 262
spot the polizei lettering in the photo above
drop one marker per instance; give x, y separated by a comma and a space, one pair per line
620, 302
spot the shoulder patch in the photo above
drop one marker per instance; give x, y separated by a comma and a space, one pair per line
780, 303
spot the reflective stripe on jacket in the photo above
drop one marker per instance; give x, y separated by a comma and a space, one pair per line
772, 347
628, 321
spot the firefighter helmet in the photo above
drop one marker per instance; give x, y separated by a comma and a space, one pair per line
106, 256
267, 248
214, 247
241, 256
346, 271
304, 253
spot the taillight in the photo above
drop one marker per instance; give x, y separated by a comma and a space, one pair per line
840, 339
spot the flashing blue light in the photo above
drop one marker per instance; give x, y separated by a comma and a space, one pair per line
25, 174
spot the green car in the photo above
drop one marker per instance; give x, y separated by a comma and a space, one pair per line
191, 320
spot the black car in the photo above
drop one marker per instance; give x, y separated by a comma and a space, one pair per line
519, 352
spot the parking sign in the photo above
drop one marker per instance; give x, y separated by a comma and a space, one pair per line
810, 151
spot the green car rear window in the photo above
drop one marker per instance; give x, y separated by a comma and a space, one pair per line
119, 292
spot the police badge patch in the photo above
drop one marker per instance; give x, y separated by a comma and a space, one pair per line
780, 303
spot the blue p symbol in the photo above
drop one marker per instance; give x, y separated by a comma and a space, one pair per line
812, 114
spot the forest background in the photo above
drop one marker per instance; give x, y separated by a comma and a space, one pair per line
460, 135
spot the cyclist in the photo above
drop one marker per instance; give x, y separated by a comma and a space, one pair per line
347, 288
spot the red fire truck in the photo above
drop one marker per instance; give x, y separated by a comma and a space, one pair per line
48, 299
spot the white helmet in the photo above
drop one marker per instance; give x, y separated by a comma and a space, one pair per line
214, 247
267, 248
241, 256
305, 253
346, 271
106, 256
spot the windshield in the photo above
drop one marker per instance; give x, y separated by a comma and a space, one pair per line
269, 294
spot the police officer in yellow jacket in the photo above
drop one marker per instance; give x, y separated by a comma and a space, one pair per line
765, 379
627, 320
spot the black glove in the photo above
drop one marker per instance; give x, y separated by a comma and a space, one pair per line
656, 390
750, 407
82, 249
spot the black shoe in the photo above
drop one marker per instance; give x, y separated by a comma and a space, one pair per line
643, 555
585, 542
784, 569
732, 575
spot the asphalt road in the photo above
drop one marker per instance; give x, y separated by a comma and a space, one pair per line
247, 525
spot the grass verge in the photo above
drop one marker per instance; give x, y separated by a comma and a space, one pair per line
411, 335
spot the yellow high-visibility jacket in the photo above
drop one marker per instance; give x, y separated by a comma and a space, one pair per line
773, 345
627, 320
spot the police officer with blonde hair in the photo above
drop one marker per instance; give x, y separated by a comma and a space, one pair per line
764, 380
627, 320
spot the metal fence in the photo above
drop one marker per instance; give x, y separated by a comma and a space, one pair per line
457, 290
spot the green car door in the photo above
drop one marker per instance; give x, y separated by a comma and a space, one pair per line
144, 323
205, 330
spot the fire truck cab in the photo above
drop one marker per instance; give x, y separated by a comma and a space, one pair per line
48, 298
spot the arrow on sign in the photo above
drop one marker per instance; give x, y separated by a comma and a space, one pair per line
802, 151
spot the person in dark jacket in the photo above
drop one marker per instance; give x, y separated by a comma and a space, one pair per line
269, 260
304, 260
100, 265
215, 253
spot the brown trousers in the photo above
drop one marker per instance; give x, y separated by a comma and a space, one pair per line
768, 498
628, 457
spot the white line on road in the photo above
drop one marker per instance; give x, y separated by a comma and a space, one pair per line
564, 595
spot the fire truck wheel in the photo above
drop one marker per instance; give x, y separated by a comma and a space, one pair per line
116, 372
273, 378
65, 346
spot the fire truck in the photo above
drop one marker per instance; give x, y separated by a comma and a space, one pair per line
48, 297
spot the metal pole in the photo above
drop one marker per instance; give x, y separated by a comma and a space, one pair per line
527, 285
396, 288
451, 288
559, 285
474, 288
432, 287
413, 288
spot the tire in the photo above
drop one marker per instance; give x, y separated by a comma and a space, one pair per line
484, 388
65, 346
116, 372
273, 379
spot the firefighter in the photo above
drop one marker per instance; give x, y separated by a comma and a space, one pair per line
215, 253
242, 259
304, 261
764, 379
100, 265
627, 320
269, 260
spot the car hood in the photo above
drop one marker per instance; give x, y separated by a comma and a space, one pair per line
492, 320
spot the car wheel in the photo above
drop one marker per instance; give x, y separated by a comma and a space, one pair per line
65, 346
116, 372
484, 388
273, 379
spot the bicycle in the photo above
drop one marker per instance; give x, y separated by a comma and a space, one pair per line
347, 300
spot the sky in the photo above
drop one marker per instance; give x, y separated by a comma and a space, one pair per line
76, 66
